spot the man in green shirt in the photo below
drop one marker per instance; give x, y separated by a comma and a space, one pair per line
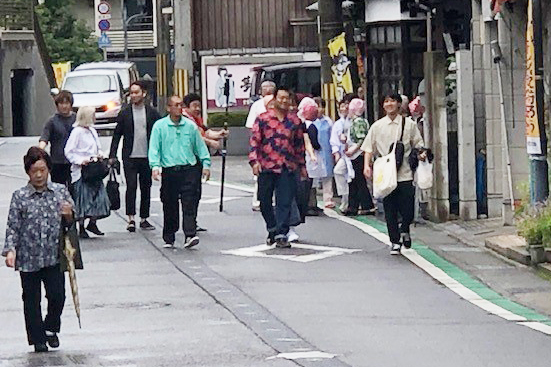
174, 147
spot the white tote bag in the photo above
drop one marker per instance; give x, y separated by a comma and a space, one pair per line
385, 174
423, 175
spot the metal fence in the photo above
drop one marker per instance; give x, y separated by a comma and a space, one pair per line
16, 14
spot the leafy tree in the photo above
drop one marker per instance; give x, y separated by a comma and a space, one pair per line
67, 38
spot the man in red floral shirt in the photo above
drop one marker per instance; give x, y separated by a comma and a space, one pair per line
277, 157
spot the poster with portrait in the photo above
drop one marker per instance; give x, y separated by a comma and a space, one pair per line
237, 79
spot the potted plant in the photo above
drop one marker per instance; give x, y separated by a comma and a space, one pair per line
532, 228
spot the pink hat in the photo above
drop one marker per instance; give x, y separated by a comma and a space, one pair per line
356, 107
416, 108
308, 109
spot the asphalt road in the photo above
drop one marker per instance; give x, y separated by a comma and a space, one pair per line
339, 300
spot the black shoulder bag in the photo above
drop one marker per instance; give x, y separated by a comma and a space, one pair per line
399, 148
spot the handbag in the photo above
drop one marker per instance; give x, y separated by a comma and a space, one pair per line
399, 148
95, 171
112, 189
423, 175
385, 173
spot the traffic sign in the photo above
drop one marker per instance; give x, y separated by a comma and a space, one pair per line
104, 7
104, 41
104, 25
102, 11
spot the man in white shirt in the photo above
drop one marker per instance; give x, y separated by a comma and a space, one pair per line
257, 108
379, 141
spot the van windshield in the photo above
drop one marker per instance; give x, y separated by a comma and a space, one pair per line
91, 84
125, 77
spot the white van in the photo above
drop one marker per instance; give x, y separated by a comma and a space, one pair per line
102, 89
127, 70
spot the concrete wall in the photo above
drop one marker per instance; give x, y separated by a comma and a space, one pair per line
18, 50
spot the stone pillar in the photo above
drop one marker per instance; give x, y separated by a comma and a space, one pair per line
466, 135
512, 38
435, 72
183, 48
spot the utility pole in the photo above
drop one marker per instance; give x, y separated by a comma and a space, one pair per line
164, 80
330, 26
183, 47
539, 182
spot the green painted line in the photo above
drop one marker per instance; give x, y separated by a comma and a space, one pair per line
464, 278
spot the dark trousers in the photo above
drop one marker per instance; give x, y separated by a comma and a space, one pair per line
61, 173
402, 201
358, 192
179, 184
285, 186
199, 172
54, 284
137, 169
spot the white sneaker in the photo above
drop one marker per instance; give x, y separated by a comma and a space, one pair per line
191, 241
292, 236
168, 245
395, 249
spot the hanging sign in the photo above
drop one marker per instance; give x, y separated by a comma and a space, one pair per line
341, 67
533, 141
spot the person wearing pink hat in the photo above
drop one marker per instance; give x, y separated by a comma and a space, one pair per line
359, 194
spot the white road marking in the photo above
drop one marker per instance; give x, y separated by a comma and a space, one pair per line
435, 272
231, 186
323, 252
439, 275
303, 355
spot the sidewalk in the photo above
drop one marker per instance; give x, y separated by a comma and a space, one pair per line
470, 245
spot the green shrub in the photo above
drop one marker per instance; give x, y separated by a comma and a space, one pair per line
217, 119
534, 224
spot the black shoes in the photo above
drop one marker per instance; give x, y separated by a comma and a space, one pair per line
82, 233
53, 340
92, 227
40, 348
200, 229
406, 240
146, 226
131, 226
281, 242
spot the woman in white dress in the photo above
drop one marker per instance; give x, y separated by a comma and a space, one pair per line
82, 148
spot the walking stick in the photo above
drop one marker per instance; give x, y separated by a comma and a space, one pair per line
225, 142
224, 150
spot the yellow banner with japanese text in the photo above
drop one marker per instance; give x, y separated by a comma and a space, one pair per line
340, 67
60, 69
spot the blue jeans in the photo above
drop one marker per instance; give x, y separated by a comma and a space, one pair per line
285, 185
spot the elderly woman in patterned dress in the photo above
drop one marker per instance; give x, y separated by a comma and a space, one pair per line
36, 216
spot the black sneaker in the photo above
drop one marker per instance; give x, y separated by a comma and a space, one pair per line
395, 249
200, 229
282, 242
41, 348
270, 241
92, 227
168, 245
146, 226
53, 340
191, 242
131, 227
406, 240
